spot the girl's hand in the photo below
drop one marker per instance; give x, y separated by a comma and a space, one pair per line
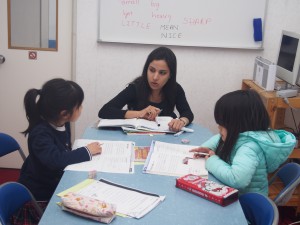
202, 152
94, 148
176, 125
149, 113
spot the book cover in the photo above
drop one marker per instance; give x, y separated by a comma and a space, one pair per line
210, 190
141, 153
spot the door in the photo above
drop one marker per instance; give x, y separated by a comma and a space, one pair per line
19, 73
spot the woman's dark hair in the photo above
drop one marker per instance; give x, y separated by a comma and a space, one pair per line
55, 96
143, 88
239, 111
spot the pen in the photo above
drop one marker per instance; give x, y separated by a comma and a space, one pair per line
201, 153
187, 129
158, 124
178, 133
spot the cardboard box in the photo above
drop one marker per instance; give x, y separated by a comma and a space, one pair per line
210, 190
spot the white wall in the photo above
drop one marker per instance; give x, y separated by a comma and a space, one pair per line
104, 69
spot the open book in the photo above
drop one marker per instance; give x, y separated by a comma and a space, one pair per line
139, 125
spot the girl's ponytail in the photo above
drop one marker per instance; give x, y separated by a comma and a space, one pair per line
31, 108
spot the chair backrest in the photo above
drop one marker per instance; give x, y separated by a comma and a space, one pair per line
289, 174
13, 196
259, 209
8, 144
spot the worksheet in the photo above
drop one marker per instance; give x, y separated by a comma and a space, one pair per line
130, 202
173, 160
116, 157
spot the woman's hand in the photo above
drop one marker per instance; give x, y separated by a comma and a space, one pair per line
95, 148
176, 125
149, 113
201, 152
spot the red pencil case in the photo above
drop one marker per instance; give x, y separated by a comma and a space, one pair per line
210, 190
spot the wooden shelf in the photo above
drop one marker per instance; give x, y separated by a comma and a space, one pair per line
277, 186
275, 106
295, 154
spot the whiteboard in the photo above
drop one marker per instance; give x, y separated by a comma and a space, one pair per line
208, 23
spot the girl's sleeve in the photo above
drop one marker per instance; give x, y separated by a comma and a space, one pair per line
212, 143
55, 159
239, 174
114, 108
53, 156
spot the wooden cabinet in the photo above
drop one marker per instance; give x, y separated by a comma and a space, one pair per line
276, 109
275, 106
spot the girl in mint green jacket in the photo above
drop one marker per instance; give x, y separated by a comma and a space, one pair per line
246, 149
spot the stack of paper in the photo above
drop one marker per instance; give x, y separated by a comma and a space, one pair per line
160, 125
130, 202
132, 131
170, 159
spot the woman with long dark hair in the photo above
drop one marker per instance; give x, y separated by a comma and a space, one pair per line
154, 93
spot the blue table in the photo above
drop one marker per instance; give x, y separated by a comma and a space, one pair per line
179, 207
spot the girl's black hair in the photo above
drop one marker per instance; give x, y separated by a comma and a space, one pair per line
55, 96
143, 88
239, 111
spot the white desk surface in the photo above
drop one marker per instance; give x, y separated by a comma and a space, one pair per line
179, 207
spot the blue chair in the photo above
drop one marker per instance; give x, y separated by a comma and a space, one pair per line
13, 196
289, 177
259, 209
8, 144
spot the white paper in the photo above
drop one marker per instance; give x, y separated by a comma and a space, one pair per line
130, 202
118, 122
116, 157
167, 159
